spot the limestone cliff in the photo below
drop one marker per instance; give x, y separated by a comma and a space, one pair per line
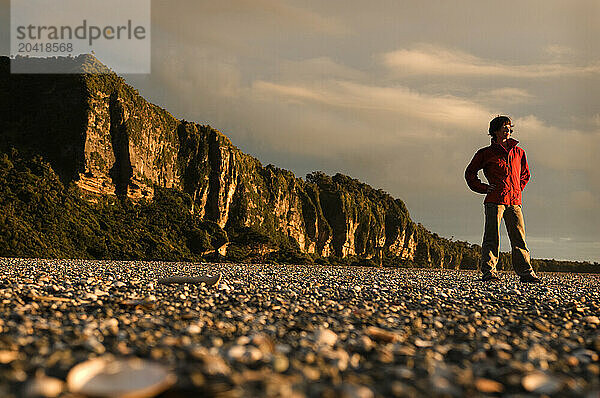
100, 133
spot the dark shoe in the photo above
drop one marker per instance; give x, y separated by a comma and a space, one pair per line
530, 279
490, 278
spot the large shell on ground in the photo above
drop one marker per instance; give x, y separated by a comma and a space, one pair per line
125, 378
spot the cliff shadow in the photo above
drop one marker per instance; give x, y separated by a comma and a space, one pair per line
44, 115
121, 172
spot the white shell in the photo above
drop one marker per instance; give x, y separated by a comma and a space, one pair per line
125, 378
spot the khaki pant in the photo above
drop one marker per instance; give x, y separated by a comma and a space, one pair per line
515, 225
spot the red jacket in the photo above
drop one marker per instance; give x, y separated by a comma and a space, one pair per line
506, 169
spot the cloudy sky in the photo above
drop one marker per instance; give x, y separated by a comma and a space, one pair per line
400, 95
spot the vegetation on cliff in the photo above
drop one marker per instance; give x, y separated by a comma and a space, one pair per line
41, 217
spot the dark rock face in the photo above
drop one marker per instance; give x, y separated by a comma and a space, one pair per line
99, 132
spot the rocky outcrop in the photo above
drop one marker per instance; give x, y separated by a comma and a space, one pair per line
100, 133
129, 144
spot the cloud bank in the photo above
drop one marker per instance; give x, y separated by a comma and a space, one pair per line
432, 60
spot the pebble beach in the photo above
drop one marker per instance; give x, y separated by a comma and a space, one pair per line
298, 330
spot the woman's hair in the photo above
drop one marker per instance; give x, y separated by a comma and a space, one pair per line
497, 123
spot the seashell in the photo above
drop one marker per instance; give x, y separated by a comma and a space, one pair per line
124, 378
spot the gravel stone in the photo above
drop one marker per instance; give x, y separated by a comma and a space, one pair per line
302, 331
